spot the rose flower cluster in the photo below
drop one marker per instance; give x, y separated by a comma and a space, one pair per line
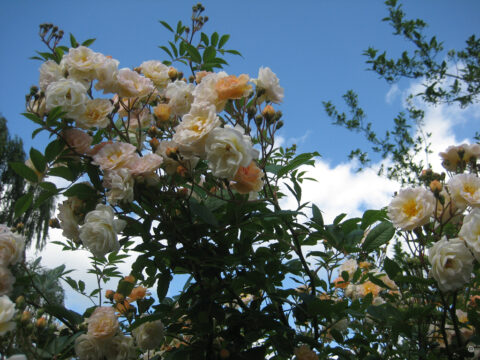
149, 123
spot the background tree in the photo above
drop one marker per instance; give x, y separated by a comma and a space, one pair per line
13, 187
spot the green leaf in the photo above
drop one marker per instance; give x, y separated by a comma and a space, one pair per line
174, 48
214, 39
209, 54
35, 132
163, 285
317, 215
22, 204
203, 212
54, 149
164, 48
60, 312
33, 118
38, 160
205, 39
168, 27
82, 191
73, 41
125, 287
223, 40
55, 114
302, 159
391, 267
378, 236
193, 52
24, 171
88, 42
44, 196
234, 52
51, 187
63, 172
371, 216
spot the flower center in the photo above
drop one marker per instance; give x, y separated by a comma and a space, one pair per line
449, 263
410, 208
468, 188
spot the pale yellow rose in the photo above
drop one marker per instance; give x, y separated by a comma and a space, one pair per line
103, 323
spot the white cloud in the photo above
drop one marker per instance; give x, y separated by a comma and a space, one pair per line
392, 94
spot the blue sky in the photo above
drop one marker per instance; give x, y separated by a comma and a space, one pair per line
315, 47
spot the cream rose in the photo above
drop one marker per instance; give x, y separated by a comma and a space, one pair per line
120, 184
11, 246
82, 62
156, 71
120, 347
452, 263
7, 311
411, 208
227, 149
268, 81
70, 94
146, 164
103, 323
195, 127
79, 140
69, 214
50, 72
132, 84
149, 335
95, 114
113, 156
99, 232
465, 190
88, 348
470, 232
205, 93
454, 154
180, 95
106, 74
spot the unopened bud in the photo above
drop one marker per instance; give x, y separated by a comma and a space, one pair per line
152, 131
436, 186
172, 73
251, 111
154, 144
26, 316
162, 112
20, 301
258, 120
279, 125
41, 322
268, 112
109, 294
130, 278
54, 223
181, 170
19, 226
224, 354
172, 152
118, 297
191, 79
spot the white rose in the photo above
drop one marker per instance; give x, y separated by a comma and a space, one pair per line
268, 81
69, 214
146, 164
7, 311
194, 128
465, 190
451, 156
470, 232
11, 246
350, 266
227, 149
99, 232
114, 156
71, 95
95, 114
106, 74
452, 263
411, 208
132, 84
103, 323
205, 93
180, 95
50, 72
87, 348
120, 347
6, 281
149, 335
17, 357
156, 71
120, 184
82, 63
